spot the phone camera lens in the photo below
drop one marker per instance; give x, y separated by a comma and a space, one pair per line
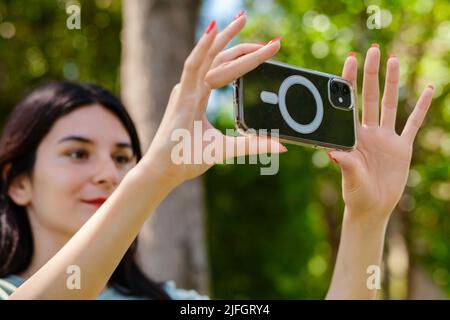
334, 88
345, 90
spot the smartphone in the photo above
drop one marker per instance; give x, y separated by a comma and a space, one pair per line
307, 107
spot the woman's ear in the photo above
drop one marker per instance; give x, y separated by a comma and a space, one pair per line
20, 190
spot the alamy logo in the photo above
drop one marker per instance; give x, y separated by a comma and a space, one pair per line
374, 280
378, 18
73, 281
374, 20
74, 19
208, 147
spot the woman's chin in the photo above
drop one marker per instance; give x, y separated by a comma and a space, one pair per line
87, 213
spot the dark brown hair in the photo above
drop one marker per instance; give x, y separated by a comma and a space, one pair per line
28, 124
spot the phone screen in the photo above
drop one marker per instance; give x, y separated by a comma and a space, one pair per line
304, 105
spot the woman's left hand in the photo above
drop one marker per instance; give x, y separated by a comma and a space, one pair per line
375, 173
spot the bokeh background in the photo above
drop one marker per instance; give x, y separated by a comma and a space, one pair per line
271, 236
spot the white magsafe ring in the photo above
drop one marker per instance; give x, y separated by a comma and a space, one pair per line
301, 128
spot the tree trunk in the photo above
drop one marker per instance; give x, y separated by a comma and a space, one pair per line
157, 37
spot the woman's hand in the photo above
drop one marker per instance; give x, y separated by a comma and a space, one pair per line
373, 178
375, 173
206, 68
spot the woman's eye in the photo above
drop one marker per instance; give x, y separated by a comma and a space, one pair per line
78, 154
123, 159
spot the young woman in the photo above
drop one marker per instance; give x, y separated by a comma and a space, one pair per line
67, 149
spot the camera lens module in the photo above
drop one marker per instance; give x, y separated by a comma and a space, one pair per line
339, 94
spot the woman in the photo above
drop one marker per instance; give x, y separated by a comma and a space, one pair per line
31, 236
76, 167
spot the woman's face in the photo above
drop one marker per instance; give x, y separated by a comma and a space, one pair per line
78, 165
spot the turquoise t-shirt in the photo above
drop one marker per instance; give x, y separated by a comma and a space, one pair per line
11, 283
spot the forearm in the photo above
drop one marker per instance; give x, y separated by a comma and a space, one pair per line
361, 246
100, 244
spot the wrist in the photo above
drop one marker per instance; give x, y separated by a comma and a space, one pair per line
152, 167
374, 220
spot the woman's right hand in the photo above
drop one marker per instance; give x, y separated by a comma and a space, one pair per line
206, 68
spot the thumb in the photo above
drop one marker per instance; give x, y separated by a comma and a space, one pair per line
253, 145
348, 166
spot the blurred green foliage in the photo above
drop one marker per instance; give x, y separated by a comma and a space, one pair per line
274, 236
39, 47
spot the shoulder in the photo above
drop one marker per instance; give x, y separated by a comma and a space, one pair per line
169, 286
182, 294
8, 285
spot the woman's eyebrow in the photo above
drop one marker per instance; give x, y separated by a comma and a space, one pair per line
124, 145
86, 140
76, 138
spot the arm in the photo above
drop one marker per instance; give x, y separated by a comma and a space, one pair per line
361, 246
99, 245
374, 176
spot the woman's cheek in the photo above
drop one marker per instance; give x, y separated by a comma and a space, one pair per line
64, 187
64, 180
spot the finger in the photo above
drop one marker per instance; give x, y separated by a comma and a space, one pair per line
350, 73
371, 90
235, 52
221, 41
204, 94
416, 118
252, 145
390, 96
348, 166
196, 58
228, 34
228, 72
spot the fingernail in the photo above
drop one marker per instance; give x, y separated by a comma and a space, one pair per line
375, 45
392, 55
274, 40
211, 26
331, 157
430, 86
240, 14
262, 43
352, 54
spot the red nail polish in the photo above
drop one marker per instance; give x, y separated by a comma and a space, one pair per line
331, 157
274, 40
375, 45
352, 54
240, 14
211, 26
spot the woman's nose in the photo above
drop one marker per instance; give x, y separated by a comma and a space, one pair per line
107, 173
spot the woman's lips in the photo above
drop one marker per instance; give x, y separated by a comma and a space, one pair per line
95, 202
